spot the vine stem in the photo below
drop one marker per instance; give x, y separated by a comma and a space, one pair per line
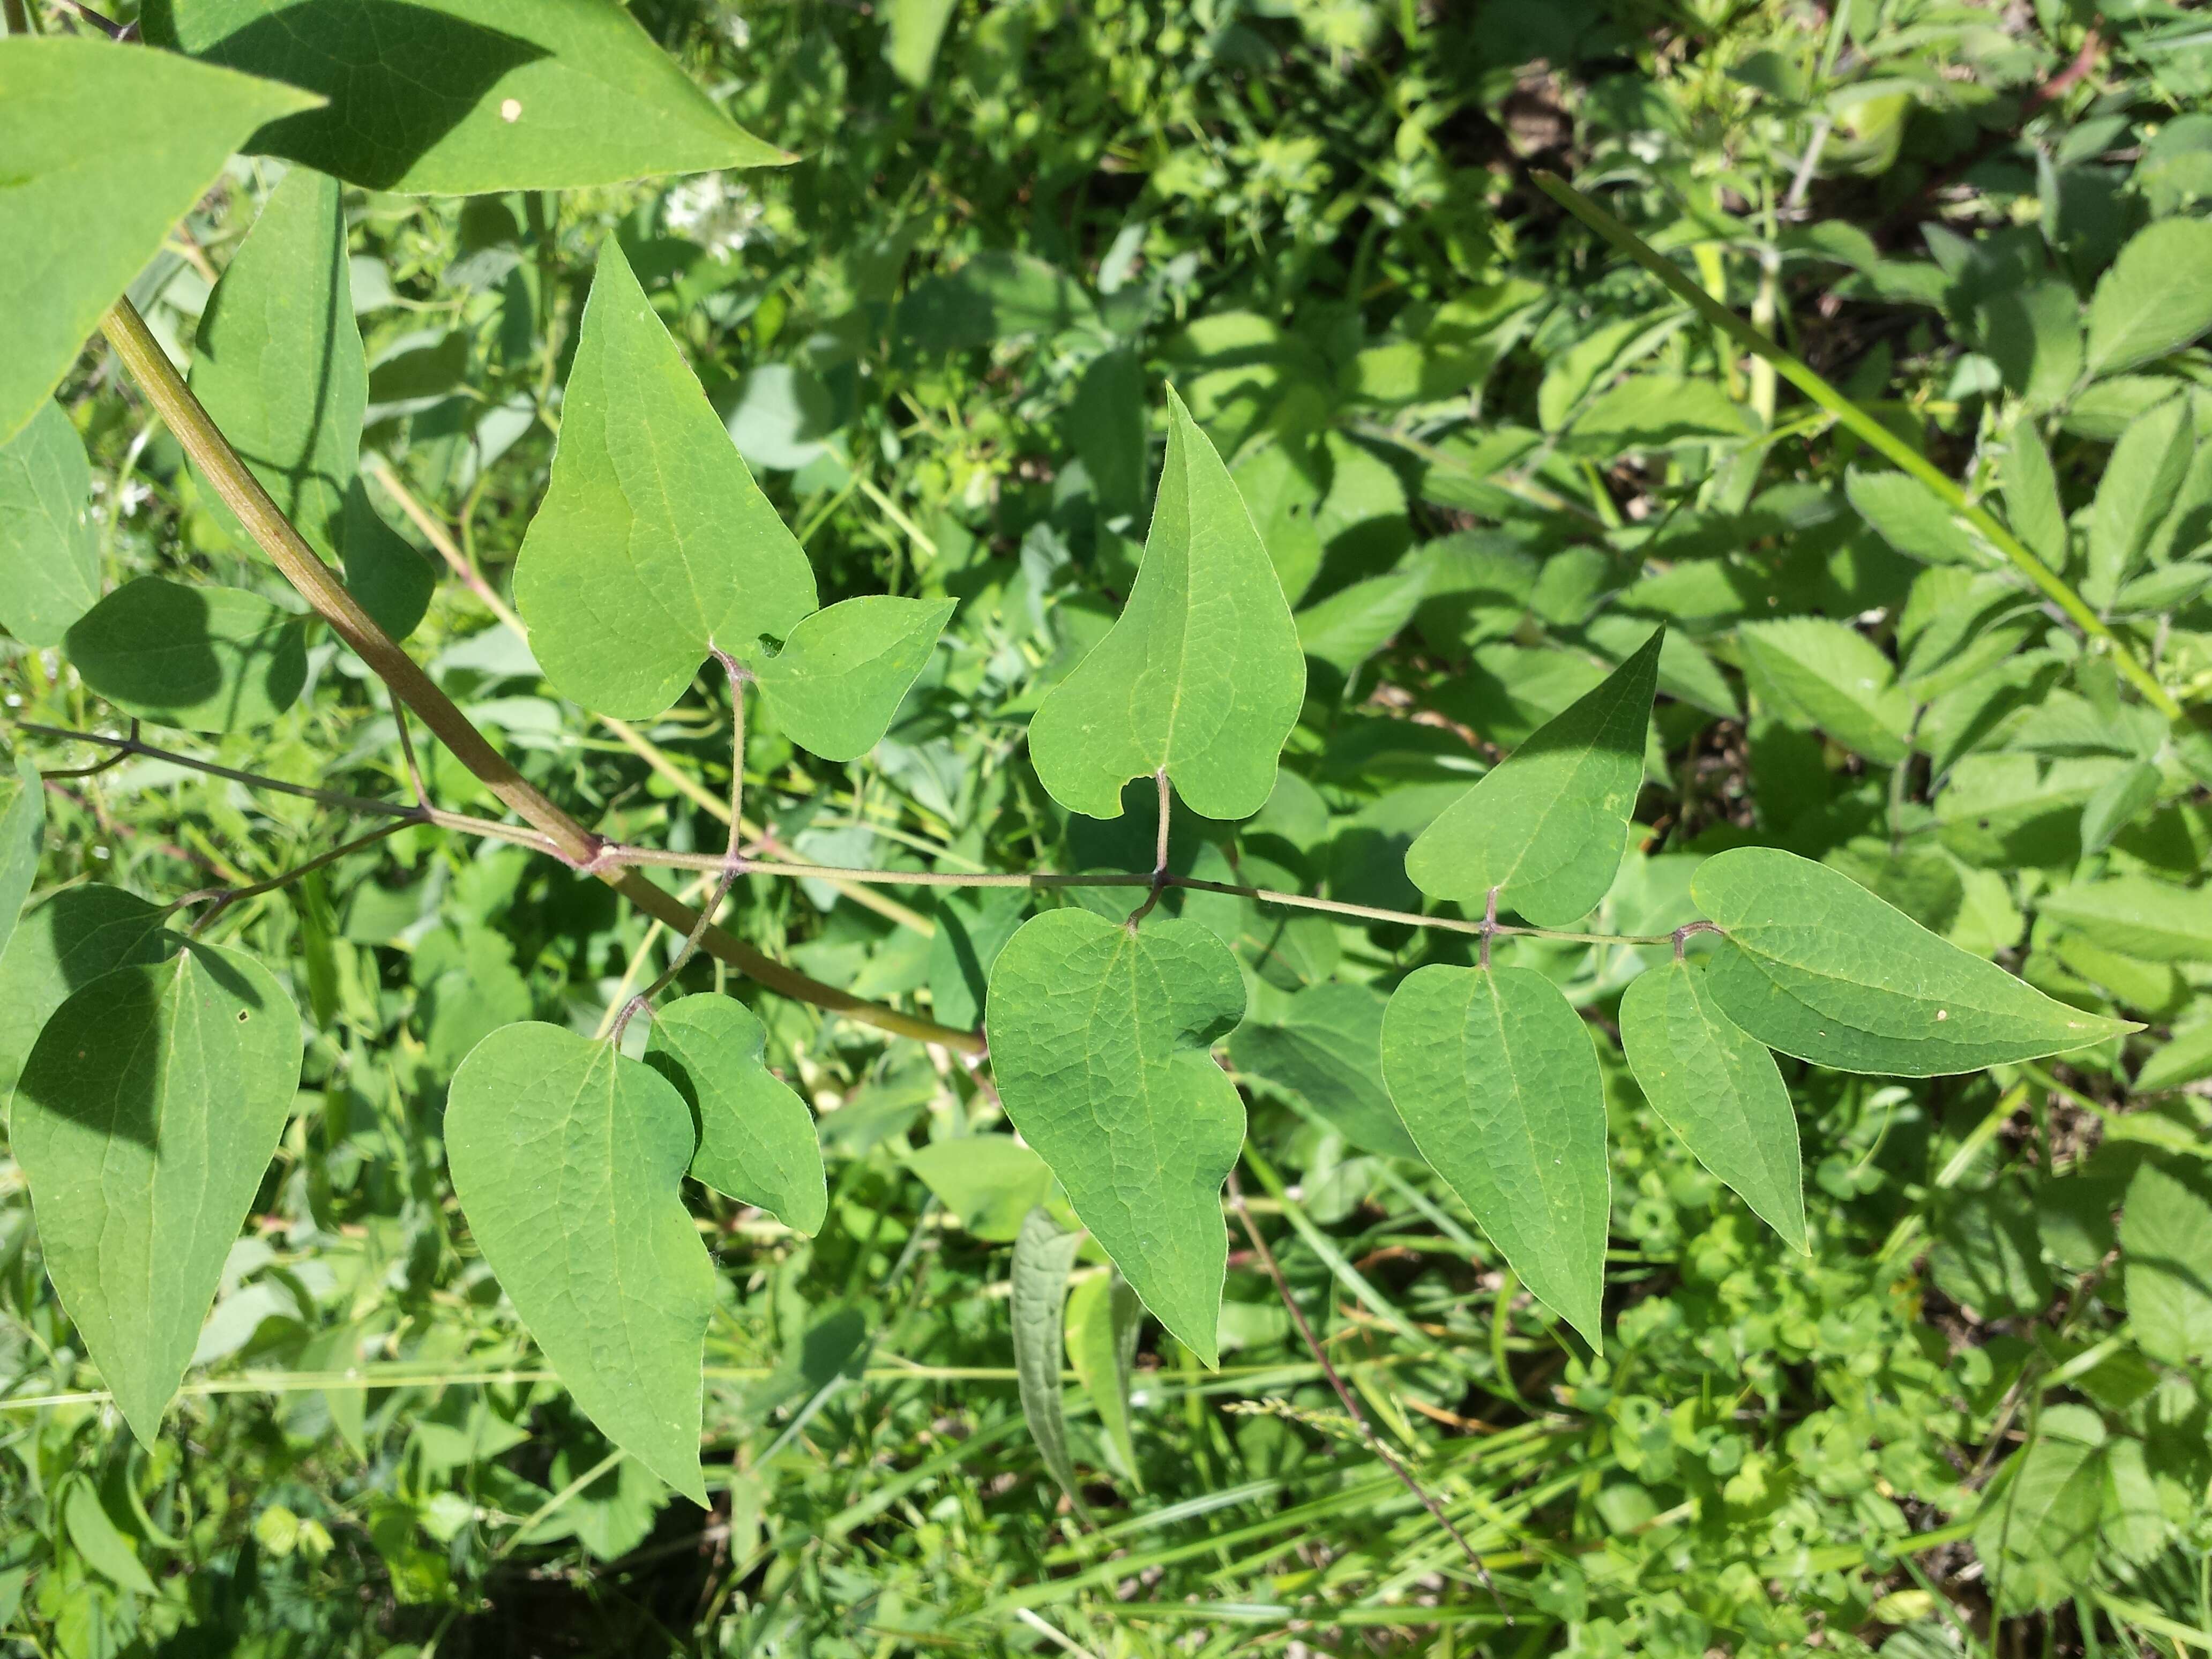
566, 839
224, 898
1870, 431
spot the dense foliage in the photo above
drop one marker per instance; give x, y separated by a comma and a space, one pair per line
1530, 1344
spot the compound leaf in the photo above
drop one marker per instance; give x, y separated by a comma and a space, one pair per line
69, 941
1202, 676
2141, 477
1814, 964
1496, 1077
1100, 1039
146, 1113
1327, 1049
2156, 298
569, 1162
1042, 1256
1717, 1089
1816, 672
467, 97
205, 658
654, 545
49, 556
841, 675
756, 1138
22, 832
1548, 827
95, 212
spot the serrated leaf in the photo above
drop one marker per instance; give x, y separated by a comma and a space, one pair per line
2034, 334
98, 212
2139, 915
2165, 1248
2140, 479
1912, 519
2118, 801
2156, 298
69, 941
280, 368
144, 1119
1832, 677
2038, 1535
1717, 1089
1202, 676
569, 1162
654, 544
756, 1138
202, 657
1496, 1076
23, 834
1042, 1256
2037, 515
841, 674
1100, 1042
1548, 827
49, 556
1327, 1049
1102, 1319
1812, 963
466, 97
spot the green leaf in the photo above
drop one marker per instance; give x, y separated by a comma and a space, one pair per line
1812, 963
569, 1162
144, 1120
654, 544
995, 296
49, 556
916, 28
2031, 503
1100, 1040
1987, 1252
2140, 481
1825, 675
1352, 624
100, 1542
280, 368
2038, 1535
843, 673
1042, 1256
23, 834
62, 946
1913, 518
1281, 484
1328, 1049
756, 1138
2130, 792
1547, 827
2156, 298
2165, 1247
989, 1181
1106, 423
98, 211
466, 97
2139, 915
205, 658
1496, 1076
1657, 411
1102, 1316
972, 928
1202, 676
1717, 1090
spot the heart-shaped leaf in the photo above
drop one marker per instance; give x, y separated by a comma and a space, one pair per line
206, 658
756, 1138
841, 675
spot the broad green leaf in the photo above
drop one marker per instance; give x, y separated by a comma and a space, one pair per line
569, 1162
205, 658
916, 28
1328, 1050
1496, 1076
1547, 827
841, 676
2165, 1248
23, 834
2038, 1534
144, 1120
1825, 675
280, 368
100, 1542
988, 1181
1657, 411
1282, 485
1812, 963
972, 928
1201, 678
2139, 915
2118, 801
1717, 1089
49, 556
2140, 479
1042, 1256
2185, 1058
1913, 518
467, 97
2156, 298
1354, 622
1101, 1040
654, 544
1103, 1318
59, 948
2031, 503
756, 1138
1107, 423
995, 296
97, 211
2034, 334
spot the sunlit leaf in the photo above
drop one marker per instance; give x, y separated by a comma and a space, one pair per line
841, 676
49, 556
206, 658
757, 1140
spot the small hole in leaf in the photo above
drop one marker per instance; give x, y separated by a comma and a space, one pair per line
243, 1017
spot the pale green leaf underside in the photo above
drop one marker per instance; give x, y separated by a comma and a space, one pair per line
49, 556
840, 677
59, 948
466, 97
205, 658
104, 151
1812, 963
1548, 827
22, 831
1717, 1089
1101, 1043
756, 1138
146, 1113
1202, 676
1042, 1256
1497, 1079
569, 1162
654, 544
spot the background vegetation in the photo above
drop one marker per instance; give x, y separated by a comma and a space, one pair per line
1488, 455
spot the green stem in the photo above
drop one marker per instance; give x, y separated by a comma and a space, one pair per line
1870, 431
